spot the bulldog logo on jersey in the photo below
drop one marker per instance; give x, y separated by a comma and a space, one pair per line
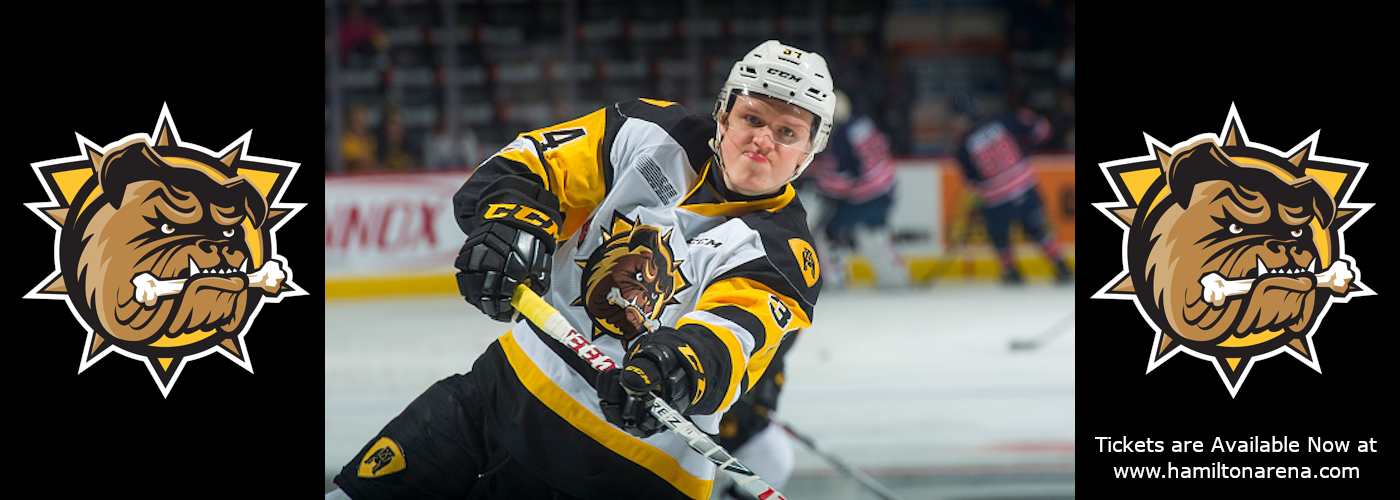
1233, 250
164, 250
629, 279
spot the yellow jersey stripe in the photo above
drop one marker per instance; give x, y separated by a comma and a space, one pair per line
587, 422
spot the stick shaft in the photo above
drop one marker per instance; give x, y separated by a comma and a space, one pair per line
539, 312
1045, 336
864, 478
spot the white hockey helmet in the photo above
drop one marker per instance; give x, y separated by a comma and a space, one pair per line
788, 74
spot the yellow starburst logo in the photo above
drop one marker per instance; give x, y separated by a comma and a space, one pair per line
164, 250
1232, 249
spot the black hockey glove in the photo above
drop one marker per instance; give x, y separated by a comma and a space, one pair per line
497, 257
654, 365
510, 240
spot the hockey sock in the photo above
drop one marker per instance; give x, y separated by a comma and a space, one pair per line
1007, 261
1051, 247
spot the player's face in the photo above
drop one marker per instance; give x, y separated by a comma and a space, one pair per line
764, 142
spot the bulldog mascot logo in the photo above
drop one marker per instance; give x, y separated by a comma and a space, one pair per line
165, 250
630, 279
1232, 249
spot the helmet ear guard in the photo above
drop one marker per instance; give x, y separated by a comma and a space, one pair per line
788, 74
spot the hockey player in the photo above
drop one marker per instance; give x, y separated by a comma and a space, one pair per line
989, 149
674, 239
857, 180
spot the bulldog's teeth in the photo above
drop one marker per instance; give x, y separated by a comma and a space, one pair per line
243, 268
1262, 270
194, 269
1312, 266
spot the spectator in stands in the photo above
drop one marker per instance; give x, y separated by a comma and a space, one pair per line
395, 153
856, 178
358, 149
990, 151
359, 35
441, 150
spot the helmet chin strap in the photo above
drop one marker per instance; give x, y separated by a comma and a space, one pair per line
715, 146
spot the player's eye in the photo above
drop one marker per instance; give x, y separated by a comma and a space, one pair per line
1235, 229
228, 234
1297, 232
165, 228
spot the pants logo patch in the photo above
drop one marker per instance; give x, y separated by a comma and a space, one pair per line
384, 458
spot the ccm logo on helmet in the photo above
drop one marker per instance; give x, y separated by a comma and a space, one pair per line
784, 74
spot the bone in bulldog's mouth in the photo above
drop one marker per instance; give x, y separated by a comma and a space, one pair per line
1217, 288
149, 289
615, 298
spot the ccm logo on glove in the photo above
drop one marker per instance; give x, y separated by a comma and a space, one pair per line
522, 213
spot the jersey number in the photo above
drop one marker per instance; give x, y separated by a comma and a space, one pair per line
997, 154
556, 138
781, 314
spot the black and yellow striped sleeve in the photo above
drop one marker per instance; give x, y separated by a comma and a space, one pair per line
735, 332
569, 160
576, 161
743, 313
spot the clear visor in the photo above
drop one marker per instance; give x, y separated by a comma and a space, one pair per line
786, 124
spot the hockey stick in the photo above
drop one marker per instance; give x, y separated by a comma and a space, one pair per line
864, 478
539, 312
959, 244
1039, 340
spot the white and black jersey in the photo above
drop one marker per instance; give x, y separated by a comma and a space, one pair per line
649, 236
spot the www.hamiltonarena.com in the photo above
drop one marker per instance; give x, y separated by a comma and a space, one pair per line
1218, 470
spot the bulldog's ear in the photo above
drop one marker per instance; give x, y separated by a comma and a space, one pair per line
1193, 165
1316, 197
125, 165
248, 197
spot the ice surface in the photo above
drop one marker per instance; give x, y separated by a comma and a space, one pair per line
918, 388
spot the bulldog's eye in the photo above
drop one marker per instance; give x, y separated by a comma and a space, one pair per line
639, 277
165, 228
1297, 232
228, 234
1235, 229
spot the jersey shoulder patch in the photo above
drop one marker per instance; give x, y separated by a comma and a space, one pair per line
788, 243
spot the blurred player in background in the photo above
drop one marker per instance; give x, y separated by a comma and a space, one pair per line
991, 151
675, 240
856, 178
